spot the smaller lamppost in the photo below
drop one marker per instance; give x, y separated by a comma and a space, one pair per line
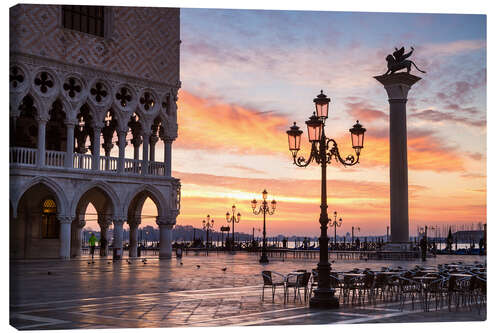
357, 228
233, 219
335, 224
207, 225
264, 209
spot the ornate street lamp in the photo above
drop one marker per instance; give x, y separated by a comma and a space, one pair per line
264, 209
335, 224
207, 226
234, 220
323, 149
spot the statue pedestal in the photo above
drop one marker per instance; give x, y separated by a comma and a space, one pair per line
397, 87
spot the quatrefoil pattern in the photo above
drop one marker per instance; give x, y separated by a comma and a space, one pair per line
16, 76
44, 82
99, 92
147, 101
72, 87
123, 96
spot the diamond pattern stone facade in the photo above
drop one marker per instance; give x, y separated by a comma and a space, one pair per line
139, 42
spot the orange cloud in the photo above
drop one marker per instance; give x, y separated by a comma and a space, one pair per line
214, 125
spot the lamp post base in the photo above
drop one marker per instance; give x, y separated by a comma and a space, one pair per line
263, 259
324, 299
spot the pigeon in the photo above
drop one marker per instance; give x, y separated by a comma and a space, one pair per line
224, 269
198, 266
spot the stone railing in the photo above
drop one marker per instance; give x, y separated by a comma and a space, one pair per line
108, 163
132, 166
82, 161
156, 168
23, 156
54, 158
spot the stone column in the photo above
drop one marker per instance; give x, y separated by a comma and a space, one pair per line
118, 237
133, 224
104, 223
167, 158
152, 141
76, 237
64, 236
42, 123
397, 87
136, 141
165, 226
70, 144
122, 143
145, 153
96, 148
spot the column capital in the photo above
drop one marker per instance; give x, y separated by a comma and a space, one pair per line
164, 221
65, 219
119, 220
104, 221
70, 123
397, 85
134, 221
42, 119
153, 139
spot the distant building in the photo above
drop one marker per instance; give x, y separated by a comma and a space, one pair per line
85, 82
467, 236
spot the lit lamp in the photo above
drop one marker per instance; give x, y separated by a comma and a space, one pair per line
323, 151
357, 137
233, 219
294, 135
264, 209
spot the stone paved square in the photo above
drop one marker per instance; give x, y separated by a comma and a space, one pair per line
175, 293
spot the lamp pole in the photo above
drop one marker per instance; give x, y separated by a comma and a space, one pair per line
264, 209
207, 225
323, 150
335, 224
233, 219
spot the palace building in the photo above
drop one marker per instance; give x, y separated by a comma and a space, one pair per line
93, 94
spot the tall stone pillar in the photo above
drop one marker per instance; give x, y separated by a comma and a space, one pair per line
122, 143
118, 237
133, 224
70, 144
145, 153
64, 236
76, 237
153, 139
165, 225
104, 223
42, 124
96, 148
167, 157
397, 86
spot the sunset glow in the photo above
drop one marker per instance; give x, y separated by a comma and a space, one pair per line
245, 80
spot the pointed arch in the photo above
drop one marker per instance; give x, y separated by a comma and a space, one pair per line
144, 191
58, 192
104, 187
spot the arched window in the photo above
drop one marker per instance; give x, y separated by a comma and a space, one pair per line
50, 224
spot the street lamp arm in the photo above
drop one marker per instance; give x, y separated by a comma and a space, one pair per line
302, 162
333, 151
257, 212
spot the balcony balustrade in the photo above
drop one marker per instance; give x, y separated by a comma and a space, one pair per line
54, 158
20, 156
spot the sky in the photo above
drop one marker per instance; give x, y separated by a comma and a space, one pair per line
247, 75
